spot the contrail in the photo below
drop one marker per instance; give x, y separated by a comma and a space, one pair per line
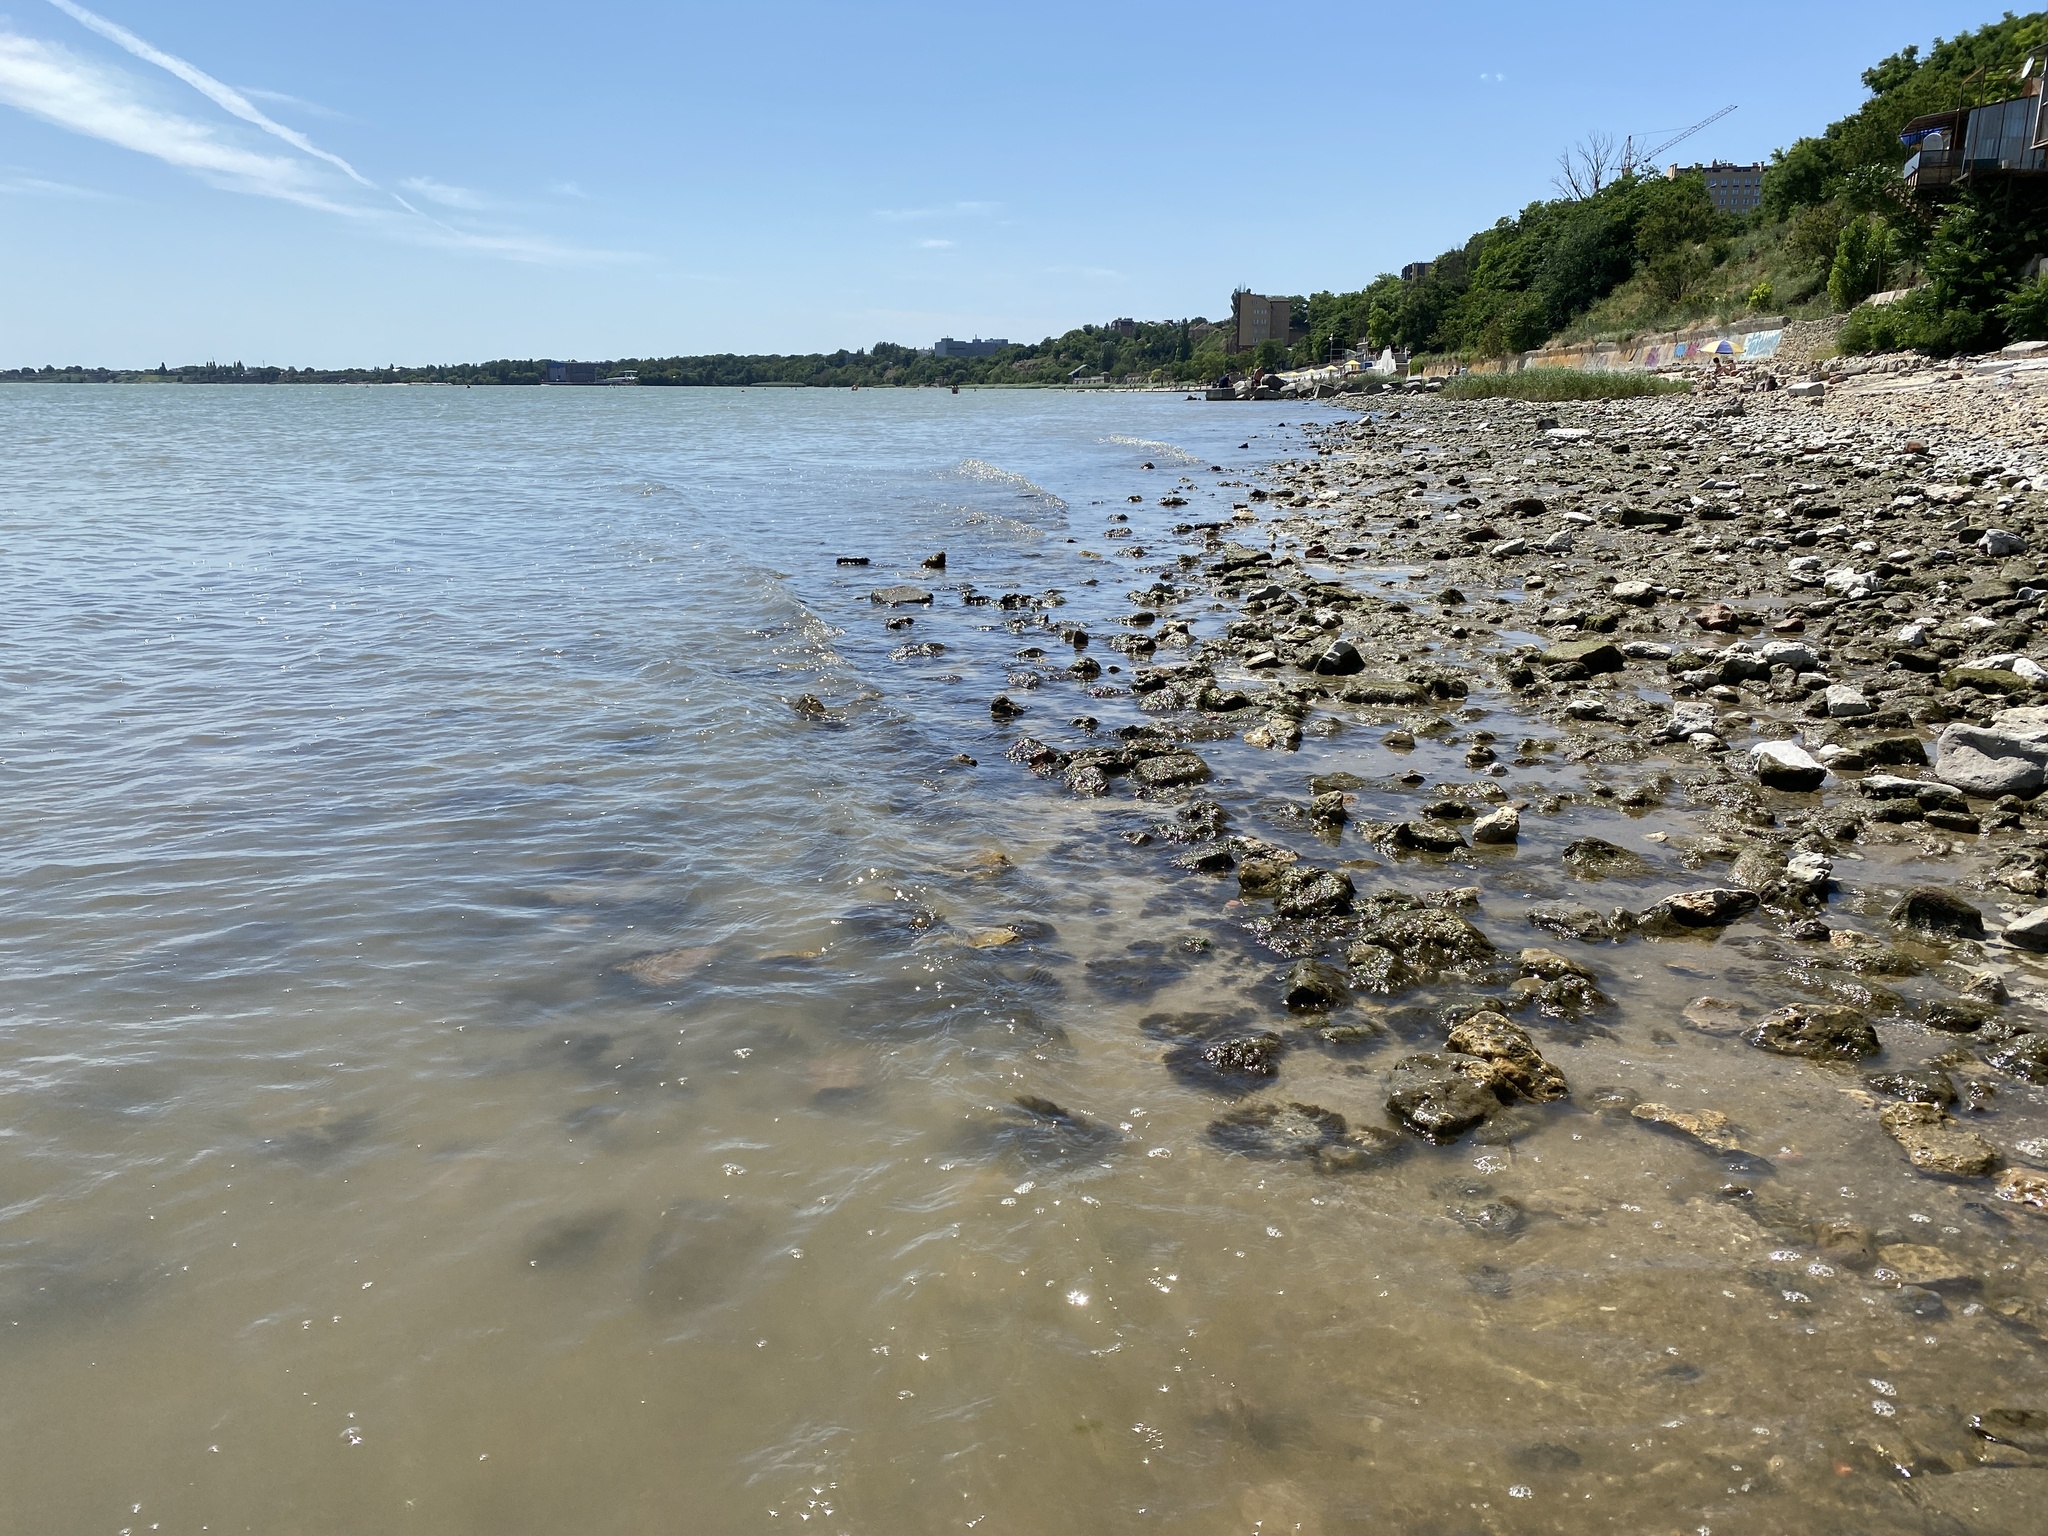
224, 96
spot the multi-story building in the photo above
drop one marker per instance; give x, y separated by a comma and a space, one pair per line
571, 373
946, 346
1733, 188
1259, 317
1416, 271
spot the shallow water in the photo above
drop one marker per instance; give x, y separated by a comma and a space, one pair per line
476, 1059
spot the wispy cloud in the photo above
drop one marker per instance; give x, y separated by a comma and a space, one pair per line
568, 189
47, 82
440, 192
942, 211
89, 98
935, 245
226, 97
298, 102
37, 186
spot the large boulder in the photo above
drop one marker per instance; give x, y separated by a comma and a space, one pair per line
1991, 762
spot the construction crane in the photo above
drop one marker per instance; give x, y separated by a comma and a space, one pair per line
1650, 157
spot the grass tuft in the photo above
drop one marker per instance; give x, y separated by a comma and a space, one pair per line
1560, 384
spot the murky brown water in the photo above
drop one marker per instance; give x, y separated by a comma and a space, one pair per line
475, 1060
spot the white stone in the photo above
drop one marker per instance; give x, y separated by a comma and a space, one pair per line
2029, 930
1789, 653
1912, 634
1809, 870
1844, 702
1999, 543
1786, 765
1498, 826
1990, 763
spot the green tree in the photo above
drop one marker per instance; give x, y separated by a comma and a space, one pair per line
1863, 261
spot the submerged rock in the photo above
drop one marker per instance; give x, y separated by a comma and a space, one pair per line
1307, 1131
1519, 1068
1303, 890
1692, 911
1934, 1143
1406, 947
1709, 1127
2024, 1055
1441, 1096
1314, 984
1235, 1064
1593, 858
1814, 1031
1938, 913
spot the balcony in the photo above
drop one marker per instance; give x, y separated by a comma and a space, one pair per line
1933, 170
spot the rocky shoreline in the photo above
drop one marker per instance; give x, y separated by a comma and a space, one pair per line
1800, 625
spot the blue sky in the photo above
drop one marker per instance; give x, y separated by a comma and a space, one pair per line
335, 184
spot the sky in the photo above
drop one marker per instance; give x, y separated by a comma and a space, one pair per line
331, 185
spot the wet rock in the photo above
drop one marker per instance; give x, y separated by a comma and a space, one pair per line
1519, 1068
1990, 763
1551, 966
900, 596
1956, 1015
1278, 733
1236, 1064
1424, 837
1713, 1016
1934, 1143
1786, 765
1037, 1132
1314, 984
1592, 656
1593, 858
1504, 825
1926, 1086
1695, 911
1502, 1216
1709, 1127
1936, 913
1170, 770
2029, 931
1441, 1096
1424, 945
1003, 707
1581, 923
1340, 660
2024, 1187
1307, 1131
1815, 1031
1928, 1267
808, 705
1306, 891
2025, 1055
1328, 808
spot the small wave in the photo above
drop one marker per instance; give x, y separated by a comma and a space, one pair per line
996, 523
1167, 450
977, 469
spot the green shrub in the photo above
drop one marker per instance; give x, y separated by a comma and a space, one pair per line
1863, 260
1760, 297
1560, 384
2026, 313
1881, 328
